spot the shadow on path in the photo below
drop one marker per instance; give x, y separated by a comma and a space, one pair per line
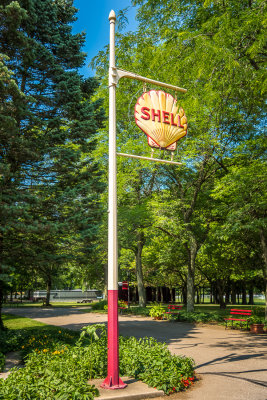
233, 364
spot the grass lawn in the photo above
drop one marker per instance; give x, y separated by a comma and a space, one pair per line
15, 322
56, 304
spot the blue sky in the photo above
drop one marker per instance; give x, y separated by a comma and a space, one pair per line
93, 20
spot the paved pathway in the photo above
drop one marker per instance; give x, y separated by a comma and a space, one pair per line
232, 364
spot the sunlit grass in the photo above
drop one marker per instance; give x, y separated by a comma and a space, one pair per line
17, 322
55, 304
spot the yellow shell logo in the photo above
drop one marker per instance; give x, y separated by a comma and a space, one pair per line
161, 119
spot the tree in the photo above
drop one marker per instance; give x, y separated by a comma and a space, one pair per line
48, 123
243, 194
134, 219
216, 50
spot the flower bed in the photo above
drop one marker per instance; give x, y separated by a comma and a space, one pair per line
58, 365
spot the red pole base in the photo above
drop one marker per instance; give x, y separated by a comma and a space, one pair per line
113, 380
107, 384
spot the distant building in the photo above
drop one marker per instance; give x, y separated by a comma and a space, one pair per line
69, 295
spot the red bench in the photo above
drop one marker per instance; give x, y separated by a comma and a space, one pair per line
174, 309
235, 313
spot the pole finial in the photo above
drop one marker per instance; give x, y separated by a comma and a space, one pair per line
112, 16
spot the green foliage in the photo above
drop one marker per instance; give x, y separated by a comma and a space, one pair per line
257, 316
157, 311
136, 310
48, 376
255, 319
258, 311
201, 316
27, 340
2, 362
58, 366
100, 305
48, 124
122, 303
216, 51
151, 361
90, 332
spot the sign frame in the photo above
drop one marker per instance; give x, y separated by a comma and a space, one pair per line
113, 381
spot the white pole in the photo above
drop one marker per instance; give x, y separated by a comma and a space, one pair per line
112, 195
112, 380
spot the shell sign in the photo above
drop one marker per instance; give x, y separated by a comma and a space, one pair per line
161, 119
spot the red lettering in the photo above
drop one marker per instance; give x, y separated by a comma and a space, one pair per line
172, 120
146, 115
166, 115
155, 114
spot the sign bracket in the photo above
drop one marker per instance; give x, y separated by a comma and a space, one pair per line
115, 74
149, 159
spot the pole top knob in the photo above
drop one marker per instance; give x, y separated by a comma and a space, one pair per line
112, 16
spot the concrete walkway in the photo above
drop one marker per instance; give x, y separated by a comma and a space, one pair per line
232, 364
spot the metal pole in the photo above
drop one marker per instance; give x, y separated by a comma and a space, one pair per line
159, 160
112, 380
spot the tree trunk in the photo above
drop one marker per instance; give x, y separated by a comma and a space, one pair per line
190, 291
1, 284
198, 296
1, 303
264, 256
184, 294
161, 294
139, 270
191, 275
48, 290
215, 294
251, 295
227, 293
211, 294
157, 294
233, 294
135, 294
220, 293
172, 295
244, 294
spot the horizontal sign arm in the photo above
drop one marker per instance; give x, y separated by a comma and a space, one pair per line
117, 74
149, 159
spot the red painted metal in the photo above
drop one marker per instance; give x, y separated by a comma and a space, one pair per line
113, 380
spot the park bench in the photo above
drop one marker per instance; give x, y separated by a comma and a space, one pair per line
174, 309
235, 315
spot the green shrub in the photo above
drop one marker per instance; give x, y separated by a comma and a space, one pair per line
22, 339
2, 362
48, 376
203, 317
10, 340
99, 305
255, 319
58, 367
151, 361
137, 311
258, 311
157, 311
